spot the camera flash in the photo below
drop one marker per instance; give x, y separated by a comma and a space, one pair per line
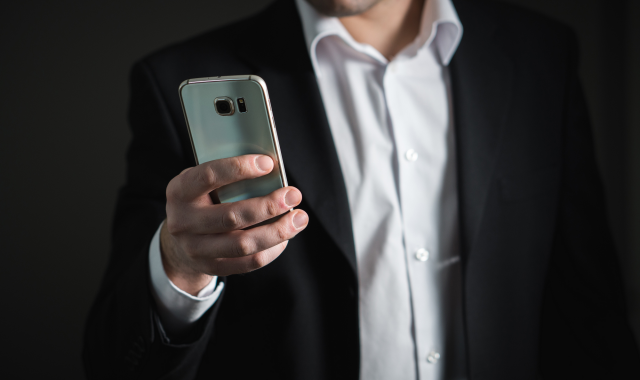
241, 106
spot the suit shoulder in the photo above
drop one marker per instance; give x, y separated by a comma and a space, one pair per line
213, 50
525, 28
205, 44
531, 26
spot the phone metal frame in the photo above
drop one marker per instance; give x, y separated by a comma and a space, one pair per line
265, 93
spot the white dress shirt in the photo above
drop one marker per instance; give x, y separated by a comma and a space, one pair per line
177, 308
392, 126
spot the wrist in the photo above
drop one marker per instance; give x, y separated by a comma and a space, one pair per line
180, 274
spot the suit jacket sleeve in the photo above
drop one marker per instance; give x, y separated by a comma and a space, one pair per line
584, 317
123, 336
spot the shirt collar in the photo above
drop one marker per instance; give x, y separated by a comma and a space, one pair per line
440, 26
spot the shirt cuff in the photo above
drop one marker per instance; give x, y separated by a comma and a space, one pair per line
178, 310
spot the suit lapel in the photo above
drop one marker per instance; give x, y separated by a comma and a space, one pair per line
313, 166
481, 81
309, 154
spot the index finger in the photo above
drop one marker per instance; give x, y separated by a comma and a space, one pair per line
206, 177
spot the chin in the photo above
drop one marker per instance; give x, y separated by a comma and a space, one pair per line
342, 8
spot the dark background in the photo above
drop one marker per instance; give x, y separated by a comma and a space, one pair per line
63, 133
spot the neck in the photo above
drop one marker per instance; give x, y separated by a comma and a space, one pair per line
388, 26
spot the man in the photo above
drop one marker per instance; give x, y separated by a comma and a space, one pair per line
452, 213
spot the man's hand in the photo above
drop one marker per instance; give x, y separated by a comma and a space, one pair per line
200, 239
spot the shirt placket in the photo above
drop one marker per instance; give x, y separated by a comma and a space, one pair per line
419, 168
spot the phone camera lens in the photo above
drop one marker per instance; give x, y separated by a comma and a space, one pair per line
224, 106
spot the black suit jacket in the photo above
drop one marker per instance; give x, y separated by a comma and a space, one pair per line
542, 290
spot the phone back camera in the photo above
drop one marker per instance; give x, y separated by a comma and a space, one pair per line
224, 106
242, 106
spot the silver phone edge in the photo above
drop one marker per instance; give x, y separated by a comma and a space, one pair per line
272, 124
274, 132
186, 120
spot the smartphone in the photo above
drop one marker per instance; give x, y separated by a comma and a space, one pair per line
230, 116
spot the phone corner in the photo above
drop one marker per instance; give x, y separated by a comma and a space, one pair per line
184, 83
258, 80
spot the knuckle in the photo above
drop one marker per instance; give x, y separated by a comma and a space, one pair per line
236, 165
259, 260
271, 208
172, 192
174, 226
241, 167
206, 177
231, 220
244, 246
282, 233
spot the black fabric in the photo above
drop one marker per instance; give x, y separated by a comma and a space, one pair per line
542, 288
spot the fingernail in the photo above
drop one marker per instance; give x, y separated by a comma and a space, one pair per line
292, 198
300, 219
264, 163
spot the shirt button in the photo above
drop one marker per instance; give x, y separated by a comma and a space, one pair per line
433, 357
392, 67
422, 254
411, 155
